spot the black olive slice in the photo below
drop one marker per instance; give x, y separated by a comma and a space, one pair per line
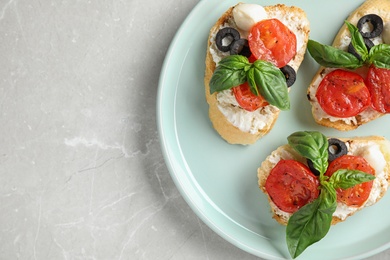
376, 22
240, 47
311, 167
290, 75
336, 149
230, 32
369, 44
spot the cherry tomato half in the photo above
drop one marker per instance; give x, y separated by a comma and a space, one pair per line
291, 185
358, 194
378, 83
246, 99
343, 94
272, 41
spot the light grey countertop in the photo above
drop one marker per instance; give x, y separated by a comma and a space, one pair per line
81, 170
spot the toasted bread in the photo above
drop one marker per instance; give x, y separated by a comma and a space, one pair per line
356, 146
234, 129
341, 41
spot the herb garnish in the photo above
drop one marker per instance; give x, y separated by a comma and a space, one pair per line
332, 57
263, 77
312, 222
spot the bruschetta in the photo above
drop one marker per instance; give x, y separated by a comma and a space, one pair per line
315, 181
248, 74
352, 85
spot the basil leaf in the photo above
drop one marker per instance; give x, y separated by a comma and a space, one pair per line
329, 198
230, 72
271, 83
311, 222
345, 179
237, 62
331, 57
357, 41
311, 145
251, 81
379, 55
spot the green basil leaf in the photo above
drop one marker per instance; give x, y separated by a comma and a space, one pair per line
329, 198
237, 62
230, 72
357, 41
311, 222
345, 179
311, 145
379, 55
251, 81
332, 57
271, 83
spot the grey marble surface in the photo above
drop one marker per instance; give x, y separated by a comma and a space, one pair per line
81, 171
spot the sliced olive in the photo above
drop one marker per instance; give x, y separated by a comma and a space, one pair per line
376, 22
311, 167
369, 44
240, 47
290, 75
227, 32
336, 149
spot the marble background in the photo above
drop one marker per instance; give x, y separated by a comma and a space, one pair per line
81, 171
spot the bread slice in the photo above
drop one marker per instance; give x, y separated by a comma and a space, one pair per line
363, 146
237, 130
341, 41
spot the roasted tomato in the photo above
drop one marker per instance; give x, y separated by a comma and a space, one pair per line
246, 99
272, 41
378, 83
252, 58
357, 195
291, 185
343, 94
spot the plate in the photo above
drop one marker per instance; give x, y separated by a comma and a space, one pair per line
219, 180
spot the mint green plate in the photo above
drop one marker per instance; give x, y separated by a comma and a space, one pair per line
218, 180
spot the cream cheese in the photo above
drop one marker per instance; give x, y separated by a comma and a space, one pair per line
246, 121
386, 33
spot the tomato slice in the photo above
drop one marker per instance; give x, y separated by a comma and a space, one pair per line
252, 58
343, 94
378, 83
291, 185
357, 195
272, 41
247, 99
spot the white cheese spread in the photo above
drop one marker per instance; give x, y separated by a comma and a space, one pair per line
386, 33
246, 121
